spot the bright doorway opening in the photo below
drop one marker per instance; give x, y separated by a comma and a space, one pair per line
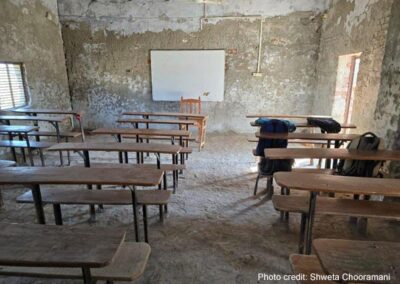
346, 83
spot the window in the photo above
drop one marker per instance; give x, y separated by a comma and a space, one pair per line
12, 85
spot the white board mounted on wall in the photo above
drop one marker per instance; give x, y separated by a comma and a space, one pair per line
188, 73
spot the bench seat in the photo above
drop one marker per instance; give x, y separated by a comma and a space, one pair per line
294, 141
339, 206
92, 197
54, 134
307, 265
159, 138
23, 144
164, 167
128, 265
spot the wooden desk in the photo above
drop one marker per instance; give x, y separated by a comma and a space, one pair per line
306, 125
287, 116
34, 112
54, 121
324, 153
143, 133
34, 177
337, 137
56, 246
22, 131
315, 183
166, 114
359, 258
137, 121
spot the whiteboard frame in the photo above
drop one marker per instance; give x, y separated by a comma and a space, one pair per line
171, 90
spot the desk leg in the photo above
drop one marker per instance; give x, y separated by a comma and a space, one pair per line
57, 214
59, 141
29, 150
135, 213
87, 276
328, 161
161, 211
14, 154
37, 199
121, 160
80, 119
89, 186
310, 221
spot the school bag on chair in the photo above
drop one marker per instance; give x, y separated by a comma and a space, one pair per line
267, 166
358, 168
327, 125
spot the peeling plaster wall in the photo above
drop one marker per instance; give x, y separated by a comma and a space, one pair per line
387, 112
107, 44
30, 33
352, 26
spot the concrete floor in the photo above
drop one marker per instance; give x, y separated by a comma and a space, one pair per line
215, 231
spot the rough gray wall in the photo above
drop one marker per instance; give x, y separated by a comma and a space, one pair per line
387, 112
352, 26
30, 33
107, 46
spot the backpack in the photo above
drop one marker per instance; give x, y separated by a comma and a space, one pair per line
267, 166
327, 125
367, 142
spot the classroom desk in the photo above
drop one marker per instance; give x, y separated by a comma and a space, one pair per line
166, 114
137, 121
54, 121
34, 112
34, 177
341, 257
324, 153
54, 246
306, 125
143, 133
315, 183
337, 137
287, 116
21, 130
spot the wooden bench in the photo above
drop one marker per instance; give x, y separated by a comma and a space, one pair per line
93, 197
307, 265
298, 170
54, 134
128, 265
299, 141
33, 145
336, 206
156, 121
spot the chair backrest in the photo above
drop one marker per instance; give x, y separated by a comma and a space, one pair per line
190, 105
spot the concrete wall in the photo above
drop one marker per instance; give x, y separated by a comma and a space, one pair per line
352, 26
107, 44
30, 33
387, 113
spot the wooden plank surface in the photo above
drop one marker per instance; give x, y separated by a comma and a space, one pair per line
306, 125
339, 184
32, 118
157, 121
54, 134
339, 206
287, 116
23, 144
324, 153
171, 114
309, 136
58, 246
17, 128
307, 264
359, 258
45, 111
117, 147
129, 264
141, 132
106, 197
77, 175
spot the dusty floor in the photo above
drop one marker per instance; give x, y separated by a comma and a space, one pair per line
216, 231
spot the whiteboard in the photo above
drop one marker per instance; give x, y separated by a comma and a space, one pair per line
188, 73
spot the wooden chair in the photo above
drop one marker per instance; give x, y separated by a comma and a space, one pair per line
194, 106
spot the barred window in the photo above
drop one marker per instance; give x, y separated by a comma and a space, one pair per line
12, 85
